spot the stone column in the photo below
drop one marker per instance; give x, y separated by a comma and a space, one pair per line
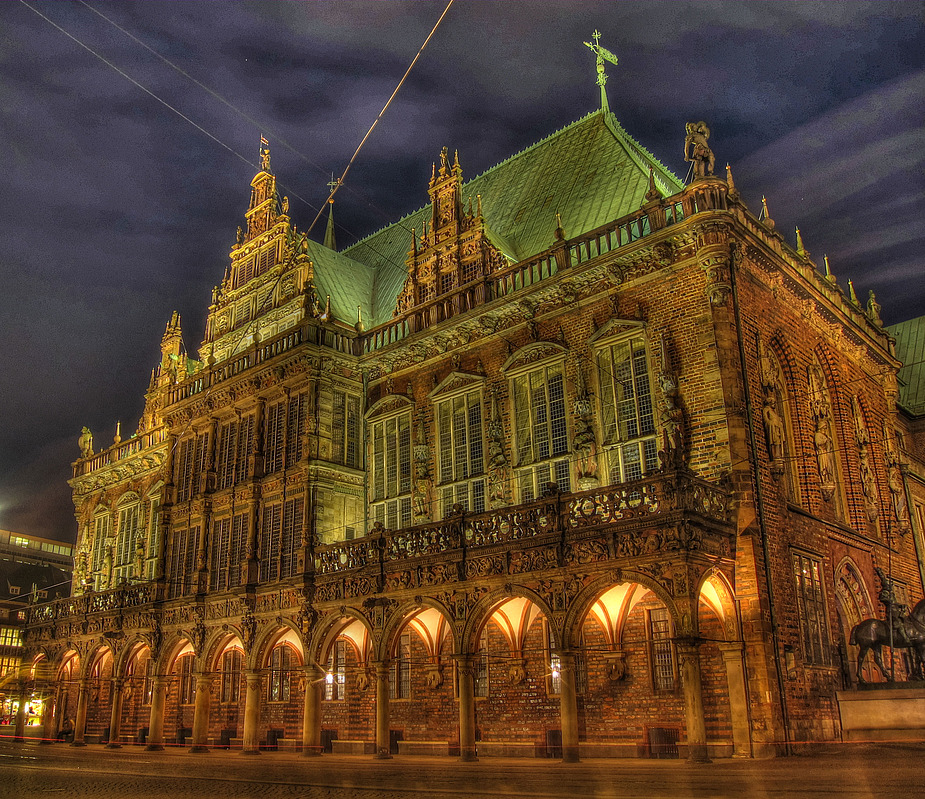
80, 723
689, 657
19, 734
251, 714
568, 706
115, 716
382, 710
738, 698
156, 722
49, 718
201, 713
465, 670
311, 711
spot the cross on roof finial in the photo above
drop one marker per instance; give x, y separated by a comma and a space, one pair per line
603, 54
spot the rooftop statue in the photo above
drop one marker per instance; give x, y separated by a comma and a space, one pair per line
697, 151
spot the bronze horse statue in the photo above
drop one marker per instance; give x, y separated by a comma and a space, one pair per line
908, 633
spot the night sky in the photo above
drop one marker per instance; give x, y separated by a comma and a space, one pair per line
116, 209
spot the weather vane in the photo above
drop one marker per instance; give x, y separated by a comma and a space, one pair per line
603, 54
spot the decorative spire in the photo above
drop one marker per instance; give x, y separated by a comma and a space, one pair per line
117, 438
360, 326
801, 250
329, 241
560, 233
828, 270
766, 214
603, 54
851, 295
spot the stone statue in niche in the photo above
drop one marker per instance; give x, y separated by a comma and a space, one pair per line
868, 483
420, 492
497, 462
585, 441
894, 479
775, 433
825, 447
672, 416
697, 151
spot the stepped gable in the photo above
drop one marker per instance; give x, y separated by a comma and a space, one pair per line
590, 173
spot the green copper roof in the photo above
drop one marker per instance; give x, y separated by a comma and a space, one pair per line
910, 349
347, 282
590, 172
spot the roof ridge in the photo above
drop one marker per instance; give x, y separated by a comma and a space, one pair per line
620, 132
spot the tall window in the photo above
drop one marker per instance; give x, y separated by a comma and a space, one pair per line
187, 689
390, 444
283, 424
182, 571
232, 662
226, 453
280, 536
100, 542
336, 677
814, 630
345, 430
129, 521
281, 662
242, 470
227, 551
154, 535
661, 650
400, 678
627, 416
190, 464
541, 431
461, 447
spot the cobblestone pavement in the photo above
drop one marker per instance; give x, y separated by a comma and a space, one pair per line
33, 770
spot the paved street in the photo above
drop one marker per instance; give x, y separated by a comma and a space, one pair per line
31, 770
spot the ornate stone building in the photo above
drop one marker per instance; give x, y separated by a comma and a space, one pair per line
576, 459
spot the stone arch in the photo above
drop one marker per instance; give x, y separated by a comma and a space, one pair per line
128, 652
283, 632
403, 615
70, 663
483, 610
329, 630
716, 592
852, 604
178, 644
581, 605
216, 644
96, 656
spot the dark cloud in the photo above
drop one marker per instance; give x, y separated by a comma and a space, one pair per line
116, 210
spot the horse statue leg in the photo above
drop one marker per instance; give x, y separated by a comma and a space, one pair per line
879, 661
